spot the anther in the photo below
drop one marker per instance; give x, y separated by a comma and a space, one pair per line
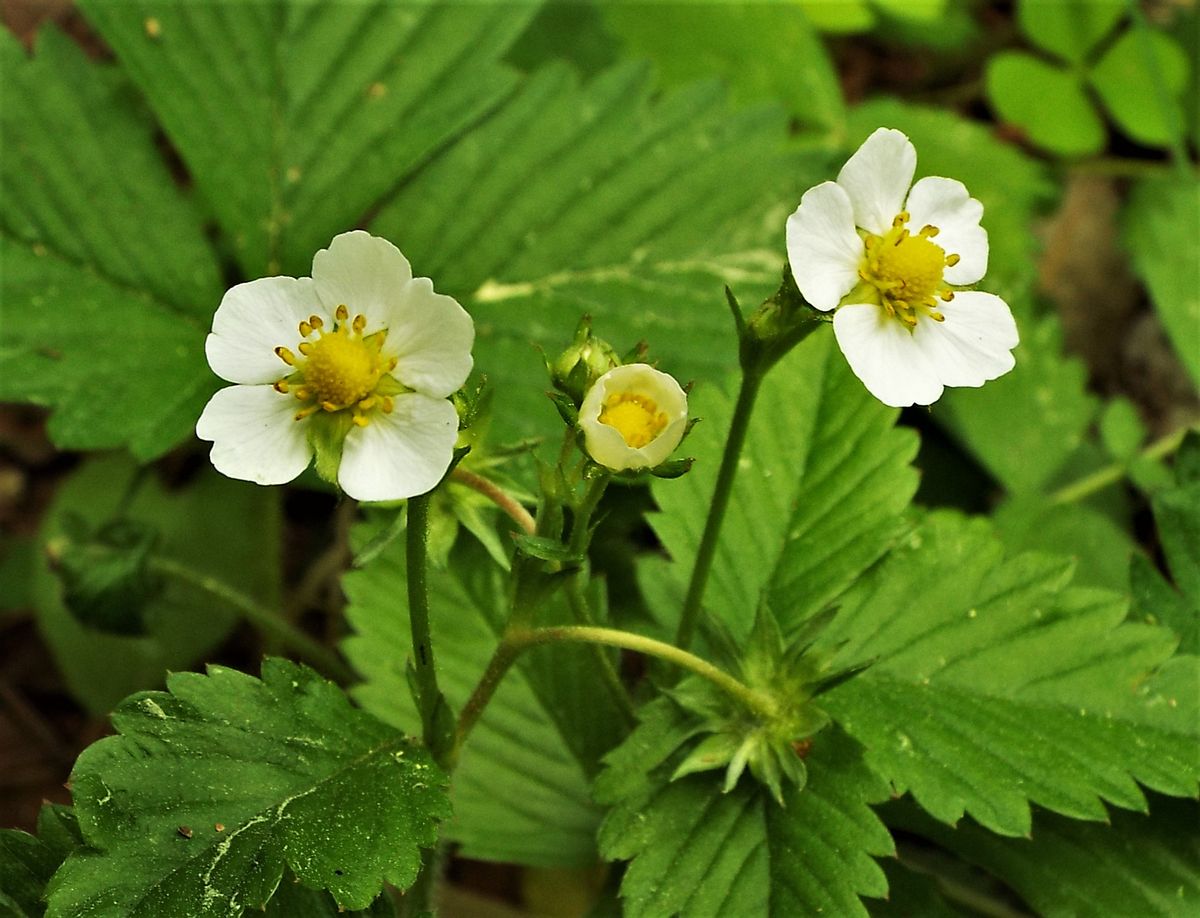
360, 322
936, 316
952, 260
342, 313
302, 393
929, 230
947, 295
901, 218
391, 364
286, 356
281, 387
329, 406
305, 329
386, 404
360, 420
316, 322
368, 403
305, 347
306, 411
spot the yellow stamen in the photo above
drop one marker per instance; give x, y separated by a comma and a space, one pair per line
360, 322
907, 272
305, 329
286, 356
316, 322
342, 313
952, 260
635, 417
305, 348
281, 387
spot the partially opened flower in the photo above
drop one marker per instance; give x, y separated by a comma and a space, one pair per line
633, 417
892, 262
355, 363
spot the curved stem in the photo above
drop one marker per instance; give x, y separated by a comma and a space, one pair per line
1114, 472
497, 495
417, 537
264, 619
738, 428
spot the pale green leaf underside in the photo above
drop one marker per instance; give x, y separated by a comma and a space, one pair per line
996, 686
260, 774
698, 852
107, 278
519, 793
822, 483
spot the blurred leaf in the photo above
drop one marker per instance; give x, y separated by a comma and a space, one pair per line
1154, 600
823, 482
1144, 865
699, 852
207, 791
839, 16
1048, 104
290, 132
1177, 513
521, 792
1121, 429
19, 556
106, 578
220, 527
996, 686
1025, 425
105, 261
1100, 548
566, 30
1159, 230
765, 51
911, 894
610, 200
925, 11
293, 900
1132, 79
1069, 28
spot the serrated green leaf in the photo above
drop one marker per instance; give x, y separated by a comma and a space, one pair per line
1140, 81
1144, 865
1158, 229
699, 852
293, 900
295, 119
609, 200
105, 262
823, 481
1068, 28
1154, 600
765, 51
222, 528
26, 865
995, 685
521, 791
207, 791
1047, 103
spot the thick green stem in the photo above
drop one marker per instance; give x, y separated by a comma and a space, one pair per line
1111, 474
418, 614
264, 619
751, 381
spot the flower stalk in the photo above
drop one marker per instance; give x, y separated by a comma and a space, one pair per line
428, 696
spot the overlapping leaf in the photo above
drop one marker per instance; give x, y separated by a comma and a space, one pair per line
995, 685
698, 852
521, 790
822, 485
211, 789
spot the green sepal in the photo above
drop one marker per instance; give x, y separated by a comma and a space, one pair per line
673, 468
105, 573
546, 549
327, 435
584, 361
566, 407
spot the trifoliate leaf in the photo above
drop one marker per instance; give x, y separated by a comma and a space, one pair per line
608, 199
521, 789
298, 127
107, 278
1165, 257
823, 481
1140, 81
1144, 865
996, 686
1068, 28
208, 791
699, 852
1050, 105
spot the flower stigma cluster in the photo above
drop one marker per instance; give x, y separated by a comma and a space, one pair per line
893, 262
633, 417
354, 364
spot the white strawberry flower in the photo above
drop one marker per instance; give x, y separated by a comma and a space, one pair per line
356, 363
633, 417
893, 261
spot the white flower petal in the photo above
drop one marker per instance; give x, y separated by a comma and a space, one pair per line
255, 318
823, 248
946, 204
255, 435
877, 177
974, 344
883, 354
605, 444
432, 337
401, 454
363, 272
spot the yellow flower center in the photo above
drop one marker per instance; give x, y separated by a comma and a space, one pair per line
635, 417
339, 370
906, 272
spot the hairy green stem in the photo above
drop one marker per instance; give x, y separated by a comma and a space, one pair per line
1111, 474
742, 410
260, 617
417, 538
497, 495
